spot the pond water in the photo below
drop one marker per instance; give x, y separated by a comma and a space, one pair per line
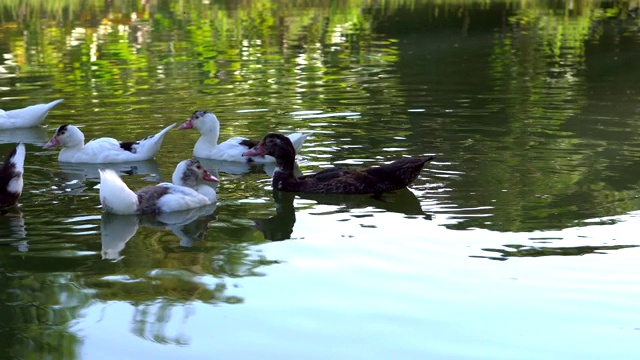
518, 241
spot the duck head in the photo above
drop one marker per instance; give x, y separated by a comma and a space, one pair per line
203, 121
190, 173
276, 145
66, 136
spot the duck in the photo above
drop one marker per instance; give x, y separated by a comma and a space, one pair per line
11, 177
186, 191
104, 149
372, 180
207, 146
29, 116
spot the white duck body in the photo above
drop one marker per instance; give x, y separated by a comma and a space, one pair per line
103, 150
11, 177
231, 149
26, 117
186, 192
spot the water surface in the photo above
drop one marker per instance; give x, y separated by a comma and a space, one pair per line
517, 242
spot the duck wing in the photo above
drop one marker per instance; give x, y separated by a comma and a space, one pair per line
326, 175
338, 181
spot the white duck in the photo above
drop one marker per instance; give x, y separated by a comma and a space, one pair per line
230, 150
186, 192
105, 149
11, 177
26, 117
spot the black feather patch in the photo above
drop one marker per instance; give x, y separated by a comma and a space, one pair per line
62, 129
130, 146
249, 143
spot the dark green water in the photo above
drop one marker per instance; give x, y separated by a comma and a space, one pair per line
532, 110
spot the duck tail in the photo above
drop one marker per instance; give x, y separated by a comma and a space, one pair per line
151, 144
50, 105
14, 168
409, 169
16, 158
297, 139
399, 173
115, 195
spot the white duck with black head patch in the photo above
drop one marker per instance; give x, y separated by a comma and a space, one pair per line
207, 146
104, 149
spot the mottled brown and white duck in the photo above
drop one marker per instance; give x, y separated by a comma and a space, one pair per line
11, 177
372, 180
186, 192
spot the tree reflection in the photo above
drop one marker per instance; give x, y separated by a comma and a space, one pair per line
37, 311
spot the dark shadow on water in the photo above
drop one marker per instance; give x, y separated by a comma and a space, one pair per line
516, 251
189, 226
280, 226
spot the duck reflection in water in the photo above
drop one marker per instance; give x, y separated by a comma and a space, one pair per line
12, 228
280, 226
188, 225
33, 135
81, 172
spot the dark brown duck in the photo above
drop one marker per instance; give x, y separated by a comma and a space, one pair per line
372, 180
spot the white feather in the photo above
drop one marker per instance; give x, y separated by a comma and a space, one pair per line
183, 198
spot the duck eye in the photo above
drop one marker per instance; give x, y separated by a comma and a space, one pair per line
198, 167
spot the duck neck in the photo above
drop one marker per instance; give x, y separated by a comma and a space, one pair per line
283, 176
75, 143
209, 134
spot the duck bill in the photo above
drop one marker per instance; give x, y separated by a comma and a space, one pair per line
53, 142
208, 177
257, 150
187, 125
